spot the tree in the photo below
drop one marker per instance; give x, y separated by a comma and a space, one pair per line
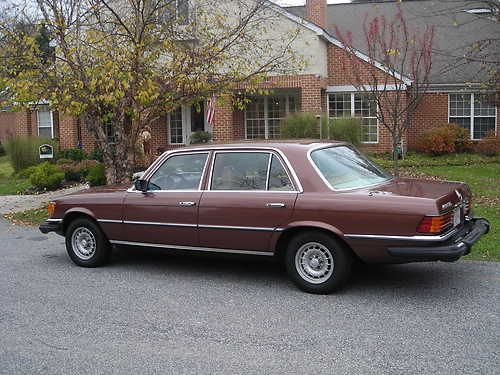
121, 65
405, 57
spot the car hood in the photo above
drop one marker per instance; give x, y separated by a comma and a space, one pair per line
103, 189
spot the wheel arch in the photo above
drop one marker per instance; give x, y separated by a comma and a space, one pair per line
292, 230
77, 212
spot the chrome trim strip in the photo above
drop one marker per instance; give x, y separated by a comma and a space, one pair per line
441, 237
109, 221
159, 224
263, 229
55, 220
193, 248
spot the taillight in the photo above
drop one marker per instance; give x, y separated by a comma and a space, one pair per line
435, 224
51, 207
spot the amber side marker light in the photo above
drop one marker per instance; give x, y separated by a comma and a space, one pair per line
51, 208
435, 224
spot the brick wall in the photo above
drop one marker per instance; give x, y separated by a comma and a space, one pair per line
316, 12
7, 125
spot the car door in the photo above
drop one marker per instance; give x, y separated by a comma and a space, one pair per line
249, 196
167, 213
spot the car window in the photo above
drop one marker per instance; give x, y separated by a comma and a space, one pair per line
240, 171
345, 168
278, 178
179, 172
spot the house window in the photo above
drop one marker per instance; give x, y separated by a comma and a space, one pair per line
45, 122
110, 133
473, 112
263, 115
356, 105
176, 127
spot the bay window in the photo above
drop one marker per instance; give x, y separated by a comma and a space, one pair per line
263, 115
473, 112
356, 105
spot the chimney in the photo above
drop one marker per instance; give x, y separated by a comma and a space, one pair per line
316, 12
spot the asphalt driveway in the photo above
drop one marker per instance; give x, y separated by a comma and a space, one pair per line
152, 312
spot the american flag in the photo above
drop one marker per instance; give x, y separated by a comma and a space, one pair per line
211, 110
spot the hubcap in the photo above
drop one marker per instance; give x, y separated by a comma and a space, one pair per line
83, 243
314, 262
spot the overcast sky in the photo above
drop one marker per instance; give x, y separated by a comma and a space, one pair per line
302, 2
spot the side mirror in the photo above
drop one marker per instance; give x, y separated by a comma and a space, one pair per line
141, 185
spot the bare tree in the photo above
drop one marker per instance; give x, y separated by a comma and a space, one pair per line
121, 65
405, 59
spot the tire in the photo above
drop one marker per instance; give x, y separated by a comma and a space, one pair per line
86, 244
330, 269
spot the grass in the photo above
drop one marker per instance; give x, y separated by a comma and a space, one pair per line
34, 216
481, 173
10, 184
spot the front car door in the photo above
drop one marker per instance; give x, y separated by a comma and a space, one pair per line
167, 213
248, 197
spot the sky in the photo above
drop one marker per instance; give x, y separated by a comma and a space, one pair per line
302, 2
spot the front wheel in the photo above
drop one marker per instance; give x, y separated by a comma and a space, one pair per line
317, 263
86, 244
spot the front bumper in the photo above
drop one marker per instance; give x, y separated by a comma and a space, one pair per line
449, 250
51, 226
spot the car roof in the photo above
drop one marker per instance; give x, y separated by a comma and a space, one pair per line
281, 145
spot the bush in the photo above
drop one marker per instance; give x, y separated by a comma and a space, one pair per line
97, 175
346, 129
76, 171
63, 161
96, 155
76, 154
26, 172
46, 176
489, 145
445, 139
2, 149
300, 125
200, 137
23, 151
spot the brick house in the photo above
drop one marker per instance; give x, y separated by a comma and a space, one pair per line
454, 96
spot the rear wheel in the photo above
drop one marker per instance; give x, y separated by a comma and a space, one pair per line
86, 244
317, 262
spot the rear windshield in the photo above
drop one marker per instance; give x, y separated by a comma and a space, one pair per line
345, 168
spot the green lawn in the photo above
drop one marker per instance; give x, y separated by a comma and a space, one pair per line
9, 184
481, 173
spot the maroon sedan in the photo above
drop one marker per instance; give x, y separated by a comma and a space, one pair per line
316, 206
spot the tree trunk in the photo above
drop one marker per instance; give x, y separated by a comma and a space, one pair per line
395, 157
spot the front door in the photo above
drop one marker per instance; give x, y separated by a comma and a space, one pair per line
250, 195
167, 213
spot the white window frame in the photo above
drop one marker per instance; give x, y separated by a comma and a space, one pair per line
266, 117
472, 115
353, 111
51, 122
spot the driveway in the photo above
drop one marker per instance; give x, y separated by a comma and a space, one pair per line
152, 312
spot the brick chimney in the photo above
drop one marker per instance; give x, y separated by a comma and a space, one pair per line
316, 12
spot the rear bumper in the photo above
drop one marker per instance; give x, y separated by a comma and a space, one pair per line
51, 226
449, 250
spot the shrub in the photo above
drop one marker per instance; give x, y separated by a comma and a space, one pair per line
445, 139
97, 175
96, 155
200, 137
23, 151
300, 125
63, 161
2, 149
346, 129
76, 154
76, 171
489, 145
26, 172
46, 176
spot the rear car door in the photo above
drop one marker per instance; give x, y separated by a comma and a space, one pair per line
167, 213
249, 196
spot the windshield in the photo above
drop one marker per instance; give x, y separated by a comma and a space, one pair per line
345, 168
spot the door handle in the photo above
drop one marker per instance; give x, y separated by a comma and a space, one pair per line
187, 204
275, 205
